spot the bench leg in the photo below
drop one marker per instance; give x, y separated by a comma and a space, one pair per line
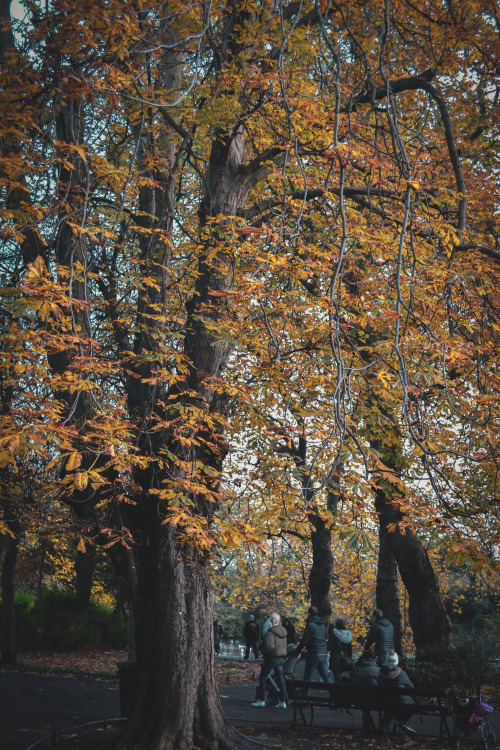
368, 723
302, 716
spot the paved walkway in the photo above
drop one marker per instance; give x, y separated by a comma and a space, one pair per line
33, 705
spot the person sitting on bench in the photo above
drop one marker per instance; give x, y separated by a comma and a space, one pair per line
366, 672
392, 674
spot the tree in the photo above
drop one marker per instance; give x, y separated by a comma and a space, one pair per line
185, 189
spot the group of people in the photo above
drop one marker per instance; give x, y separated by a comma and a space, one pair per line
329, 648
251, 634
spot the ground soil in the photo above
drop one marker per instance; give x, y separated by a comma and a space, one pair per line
285, 740
103, 664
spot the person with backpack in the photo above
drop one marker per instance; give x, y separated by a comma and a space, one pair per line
251, 636
274, 649
340, 648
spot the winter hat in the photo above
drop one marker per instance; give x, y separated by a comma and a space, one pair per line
392, 660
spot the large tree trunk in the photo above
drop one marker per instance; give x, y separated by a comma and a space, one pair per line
174, 640
178, 704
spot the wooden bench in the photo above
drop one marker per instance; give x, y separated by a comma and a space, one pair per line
303, 697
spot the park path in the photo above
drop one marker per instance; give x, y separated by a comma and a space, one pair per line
34, 705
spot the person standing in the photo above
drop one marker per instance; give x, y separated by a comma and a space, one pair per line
340, 648
290, 630
314, 640
266, 626
380, 635
251, 636
274, 651
218, 633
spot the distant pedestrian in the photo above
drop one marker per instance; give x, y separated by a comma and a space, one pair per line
290, 630
274, 650
251, 635
314, 641
218, 633
380, 635
340, 648
267, 624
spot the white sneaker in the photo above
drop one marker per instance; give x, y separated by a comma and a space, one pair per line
259, 703
281, 705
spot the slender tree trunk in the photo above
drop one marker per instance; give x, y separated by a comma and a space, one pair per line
429, 621
387, 592
320, 575
84, 568
8, 630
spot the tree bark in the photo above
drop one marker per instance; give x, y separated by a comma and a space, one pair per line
429, 620
8, 631
387, 590
84, 575
178, 705
320, 575
174, 640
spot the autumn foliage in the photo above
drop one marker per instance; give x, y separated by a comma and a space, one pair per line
256, 234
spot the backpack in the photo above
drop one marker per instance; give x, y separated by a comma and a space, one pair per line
346, 663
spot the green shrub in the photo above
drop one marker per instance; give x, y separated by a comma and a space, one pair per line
462, 667
24, 600
60, 625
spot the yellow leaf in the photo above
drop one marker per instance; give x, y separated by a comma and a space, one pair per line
74, 461
80, 481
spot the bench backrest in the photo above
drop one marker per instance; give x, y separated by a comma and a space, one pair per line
344, 693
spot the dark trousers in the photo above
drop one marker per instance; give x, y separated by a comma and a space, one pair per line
319, 662
401, 714
335, 660
251, 646
272, 665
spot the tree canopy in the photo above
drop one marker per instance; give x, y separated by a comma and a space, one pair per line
263, 234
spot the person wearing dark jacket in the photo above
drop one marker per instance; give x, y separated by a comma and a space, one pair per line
380, 635
392, 674
340, 648
218, 633
274, 649
290, 630
251, 636
366, 672
315, 641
